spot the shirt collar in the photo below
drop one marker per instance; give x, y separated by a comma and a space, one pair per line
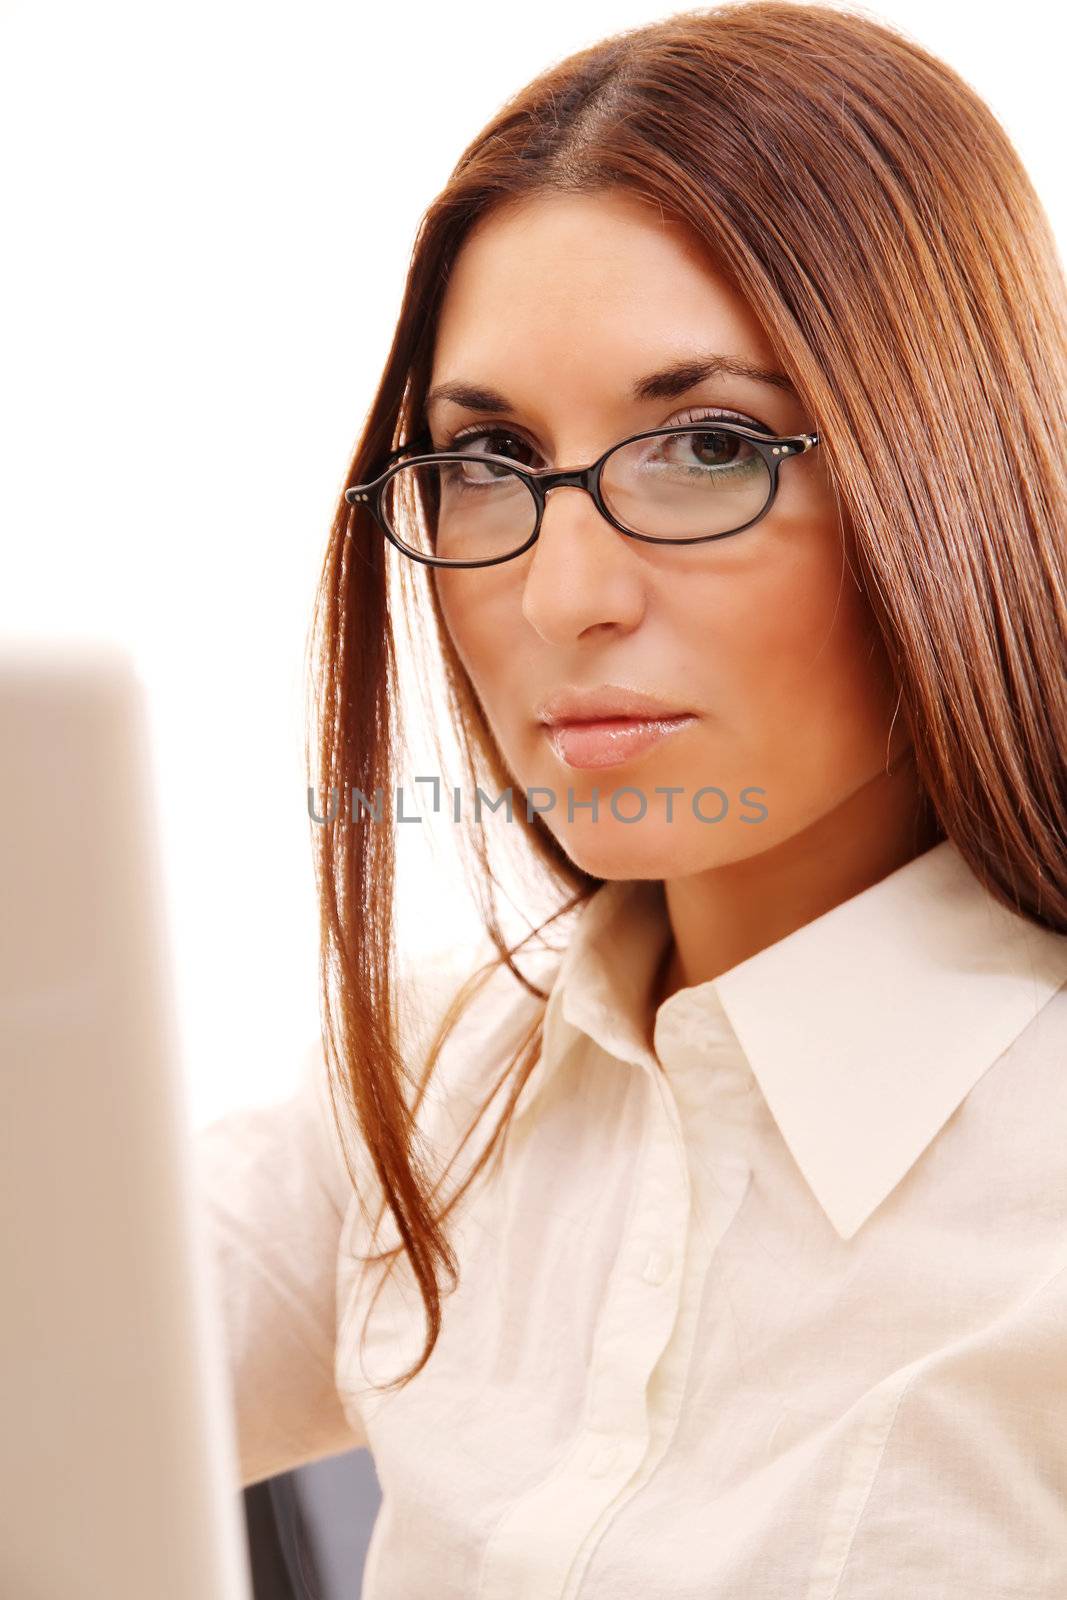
864, 1029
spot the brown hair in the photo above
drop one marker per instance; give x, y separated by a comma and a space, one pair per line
884, 231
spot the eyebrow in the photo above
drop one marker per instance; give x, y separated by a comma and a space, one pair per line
665, 384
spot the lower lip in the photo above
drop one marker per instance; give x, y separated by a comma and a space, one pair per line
611, 742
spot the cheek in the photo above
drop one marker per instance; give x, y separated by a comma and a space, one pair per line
466, 621
477, 623
816, 677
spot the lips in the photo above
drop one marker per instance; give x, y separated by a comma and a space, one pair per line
607, 742
607, 703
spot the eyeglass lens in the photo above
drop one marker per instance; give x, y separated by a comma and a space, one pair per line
677, 487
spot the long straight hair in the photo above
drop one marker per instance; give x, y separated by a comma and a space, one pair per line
881, 226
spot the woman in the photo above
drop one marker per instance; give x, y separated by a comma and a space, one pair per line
756, 1274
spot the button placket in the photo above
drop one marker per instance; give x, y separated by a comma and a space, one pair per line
533, 1547
603, 1458
666, 1388
657, 1267
616, 1400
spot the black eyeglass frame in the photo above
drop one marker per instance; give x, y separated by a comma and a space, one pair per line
774, 448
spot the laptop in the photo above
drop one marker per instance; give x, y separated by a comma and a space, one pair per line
118, 1465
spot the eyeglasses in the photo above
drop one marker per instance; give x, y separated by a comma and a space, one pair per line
680, 485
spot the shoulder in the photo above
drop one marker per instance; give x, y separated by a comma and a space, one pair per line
1046, 1035
495, 1014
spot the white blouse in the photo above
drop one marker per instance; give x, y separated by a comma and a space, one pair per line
769, 1302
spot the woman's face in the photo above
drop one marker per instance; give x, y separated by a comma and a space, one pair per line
562, 306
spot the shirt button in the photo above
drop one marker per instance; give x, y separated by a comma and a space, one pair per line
657, 1267
603, 1459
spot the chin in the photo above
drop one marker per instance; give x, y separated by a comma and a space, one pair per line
650, 849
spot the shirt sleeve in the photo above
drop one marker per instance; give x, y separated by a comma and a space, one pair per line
274, 1192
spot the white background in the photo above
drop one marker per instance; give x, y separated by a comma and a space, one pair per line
207, 214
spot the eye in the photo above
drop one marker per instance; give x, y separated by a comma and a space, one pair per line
714, 414
499, 441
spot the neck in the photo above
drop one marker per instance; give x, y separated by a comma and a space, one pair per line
727, 913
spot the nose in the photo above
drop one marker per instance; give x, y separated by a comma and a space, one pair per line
582, 573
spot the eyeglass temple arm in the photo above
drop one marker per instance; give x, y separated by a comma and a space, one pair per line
420, 439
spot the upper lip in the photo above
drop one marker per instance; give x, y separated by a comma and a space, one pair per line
591, 705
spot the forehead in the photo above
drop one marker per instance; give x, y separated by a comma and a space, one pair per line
599, 284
